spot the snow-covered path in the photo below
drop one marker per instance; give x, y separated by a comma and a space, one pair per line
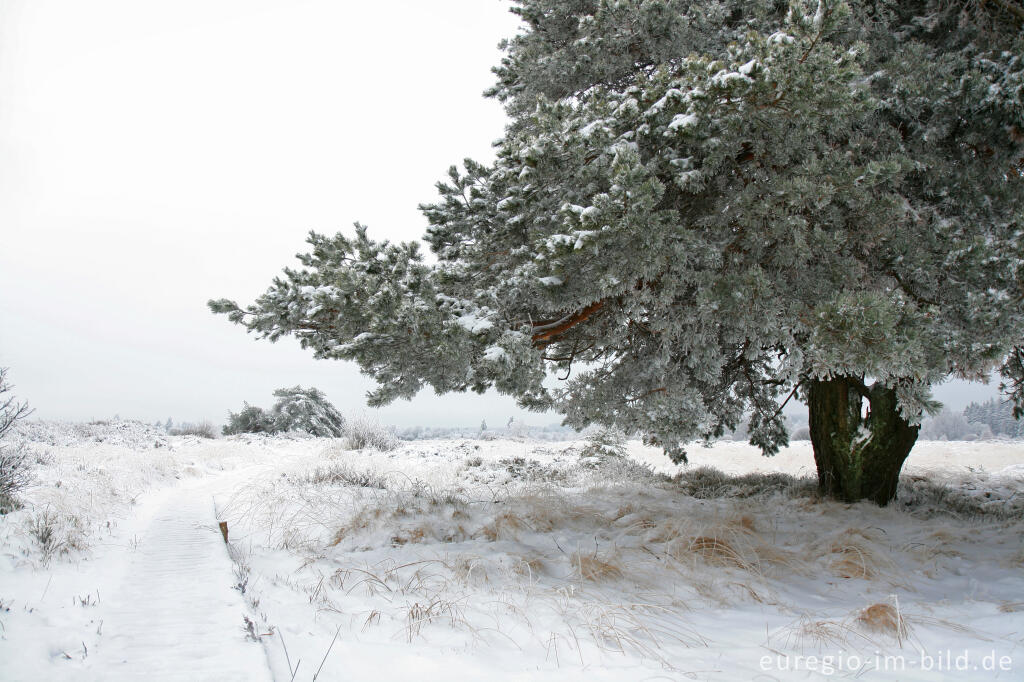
175, 615
156, 601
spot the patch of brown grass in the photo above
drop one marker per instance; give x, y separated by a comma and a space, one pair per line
852, 561
590, 567
457, 533
504, 526
1011, 607
716, 550
528, 566
468, 566
636, 523
853, 556
409, 536
542, 519
360, 522
669, 530
624, 510
883, 619
821, 633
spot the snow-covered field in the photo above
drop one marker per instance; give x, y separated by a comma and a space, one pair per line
468, 560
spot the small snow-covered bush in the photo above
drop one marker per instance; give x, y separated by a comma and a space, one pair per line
202, 429
307, 409
297, 409
710, 483
603, 444
55, 533
15, 474
929, 497
346, 475
366, 432
250, 419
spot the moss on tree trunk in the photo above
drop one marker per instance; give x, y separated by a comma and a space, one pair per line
859, 456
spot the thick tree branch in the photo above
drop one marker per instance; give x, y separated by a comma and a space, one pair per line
542, 338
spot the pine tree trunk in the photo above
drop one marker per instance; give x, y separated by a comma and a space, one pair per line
858, 457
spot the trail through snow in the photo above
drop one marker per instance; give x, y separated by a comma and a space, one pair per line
157, 601
176, 615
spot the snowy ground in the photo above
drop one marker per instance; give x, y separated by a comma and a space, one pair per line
501, 560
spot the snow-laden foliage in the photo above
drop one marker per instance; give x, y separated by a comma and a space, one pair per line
698, 208
307, 409
11, 411
15, 466
604, 443
998, 416
297, 409
365, 432
250, 419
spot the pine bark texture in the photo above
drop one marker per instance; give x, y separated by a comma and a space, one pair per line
858, 456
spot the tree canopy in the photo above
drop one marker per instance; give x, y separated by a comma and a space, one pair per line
698, 208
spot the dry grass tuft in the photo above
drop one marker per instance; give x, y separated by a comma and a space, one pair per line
624, 510
528, 566
852, 562
854, 557
1011, 607
822, 633
456, 533
635, 522
590, 567
716, 551
372, 619
669, 530
366, 518
883, 619
747, 523
468, 567
421, 614
505, 525
410, 536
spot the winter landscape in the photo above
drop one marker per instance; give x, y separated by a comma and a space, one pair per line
692, 350
500, 559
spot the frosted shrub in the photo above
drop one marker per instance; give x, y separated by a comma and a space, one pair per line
603, 444
366, 432
14, 465
307, 409
250, 419
202, 429
297, 409
15, 475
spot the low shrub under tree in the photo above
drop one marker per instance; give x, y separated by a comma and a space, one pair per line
297, 409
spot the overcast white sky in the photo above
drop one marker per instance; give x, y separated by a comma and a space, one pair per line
157, 154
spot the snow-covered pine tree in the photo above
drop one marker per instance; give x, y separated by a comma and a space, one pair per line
306, 409
250, 419
297, 409
700, 210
